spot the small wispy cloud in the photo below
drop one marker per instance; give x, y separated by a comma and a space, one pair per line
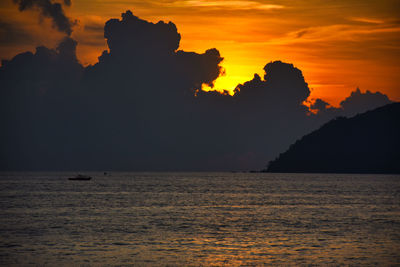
332, 33
234, 4
367, 20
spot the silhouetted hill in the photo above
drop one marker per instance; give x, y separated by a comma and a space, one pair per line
366, 143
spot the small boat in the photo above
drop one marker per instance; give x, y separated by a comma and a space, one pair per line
80, 177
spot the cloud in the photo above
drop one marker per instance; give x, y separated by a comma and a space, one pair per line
319, 104
335, 33
43, 66
283, 84
301, 33
14, 34
263, 116
243, 5
145, 52
321, 107
144, 37
141, 107
130, 104
50, 10
359, 102
93, 27
367, 20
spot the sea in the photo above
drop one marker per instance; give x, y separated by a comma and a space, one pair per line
199, 219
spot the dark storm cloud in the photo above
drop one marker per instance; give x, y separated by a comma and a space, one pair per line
140, 107
50, 10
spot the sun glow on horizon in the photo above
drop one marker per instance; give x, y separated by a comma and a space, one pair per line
232, 76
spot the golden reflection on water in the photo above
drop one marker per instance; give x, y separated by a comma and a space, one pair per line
200, 220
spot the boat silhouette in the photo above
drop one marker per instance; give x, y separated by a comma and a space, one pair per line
80, 177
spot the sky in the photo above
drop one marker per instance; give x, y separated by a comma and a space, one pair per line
132, 85
338, 45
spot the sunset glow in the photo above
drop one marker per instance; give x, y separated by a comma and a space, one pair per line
200, 132
339, 45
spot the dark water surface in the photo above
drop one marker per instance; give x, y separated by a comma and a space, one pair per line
194, 219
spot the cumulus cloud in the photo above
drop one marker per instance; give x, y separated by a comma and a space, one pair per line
51, 10
357, 102
31, 70
140, 107
132, 102
282, 82
263, 116
143, 37
319, 105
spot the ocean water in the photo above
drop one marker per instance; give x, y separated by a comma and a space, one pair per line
199, 219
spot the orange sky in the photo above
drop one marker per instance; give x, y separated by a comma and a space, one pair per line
339, 45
